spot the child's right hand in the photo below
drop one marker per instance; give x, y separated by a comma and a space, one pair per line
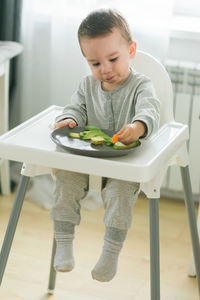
67, 122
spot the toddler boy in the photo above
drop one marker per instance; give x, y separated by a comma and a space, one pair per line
114, 97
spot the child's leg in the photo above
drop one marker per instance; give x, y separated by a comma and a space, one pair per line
106, 267
64, 236
119, 197
70, 187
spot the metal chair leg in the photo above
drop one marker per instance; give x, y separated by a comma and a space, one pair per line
9, 235
192, 271
154, 249
52, 274
192, 219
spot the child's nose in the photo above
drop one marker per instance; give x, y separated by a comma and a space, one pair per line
106, 68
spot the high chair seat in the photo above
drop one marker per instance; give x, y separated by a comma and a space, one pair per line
30, 143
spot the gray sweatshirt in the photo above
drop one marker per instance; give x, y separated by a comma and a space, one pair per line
134, 100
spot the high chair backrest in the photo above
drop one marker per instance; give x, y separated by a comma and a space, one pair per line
152, 68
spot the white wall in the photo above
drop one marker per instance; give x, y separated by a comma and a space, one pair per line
185, 49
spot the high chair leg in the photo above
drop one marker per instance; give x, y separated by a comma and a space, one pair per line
52, 274
191, 219
10, 232
192, 271
154, 249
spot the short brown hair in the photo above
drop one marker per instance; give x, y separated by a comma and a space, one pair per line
101, 22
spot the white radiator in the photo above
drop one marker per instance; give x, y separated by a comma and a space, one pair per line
185, 78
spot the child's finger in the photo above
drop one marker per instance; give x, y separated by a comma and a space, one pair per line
65, 123
59, 125
121, 131
72, 124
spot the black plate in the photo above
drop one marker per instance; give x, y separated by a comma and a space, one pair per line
84, 147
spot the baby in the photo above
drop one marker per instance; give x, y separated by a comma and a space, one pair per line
114, 97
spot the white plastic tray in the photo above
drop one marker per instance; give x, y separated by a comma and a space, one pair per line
30, 143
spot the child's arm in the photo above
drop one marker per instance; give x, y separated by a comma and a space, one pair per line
66, 122
132, 132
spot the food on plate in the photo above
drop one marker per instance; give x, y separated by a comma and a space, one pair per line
115, 138
98, 137
74, 135
97, 140
119, 145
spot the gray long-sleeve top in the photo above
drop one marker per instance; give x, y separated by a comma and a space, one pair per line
134, 100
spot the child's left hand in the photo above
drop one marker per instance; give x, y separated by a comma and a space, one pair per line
131, 132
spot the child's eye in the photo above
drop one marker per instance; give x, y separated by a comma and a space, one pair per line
96, 64
113, 59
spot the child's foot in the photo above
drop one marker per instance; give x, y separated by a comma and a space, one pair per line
64, 258
106, 267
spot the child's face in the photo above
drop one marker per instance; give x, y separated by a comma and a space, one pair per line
108, 57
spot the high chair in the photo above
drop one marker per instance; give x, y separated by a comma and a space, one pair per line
30, 143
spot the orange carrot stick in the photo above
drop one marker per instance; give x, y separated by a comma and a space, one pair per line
115, 138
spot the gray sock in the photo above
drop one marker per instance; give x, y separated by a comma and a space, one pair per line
106, 267
64, 258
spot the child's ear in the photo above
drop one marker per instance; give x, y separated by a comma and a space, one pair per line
132, 49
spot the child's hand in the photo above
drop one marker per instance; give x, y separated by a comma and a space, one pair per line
131, 132
67, 122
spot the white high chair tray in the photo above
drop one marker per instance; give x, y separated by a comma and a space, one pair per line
30, 143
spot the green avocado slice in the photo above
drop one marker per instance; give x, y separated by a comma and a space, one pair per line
75, 135
118, 145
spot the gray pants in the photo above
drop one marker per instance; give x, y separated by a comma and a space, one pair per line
118, 198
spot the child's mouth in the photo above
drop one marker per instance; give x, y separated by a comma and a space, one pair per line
109, 78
